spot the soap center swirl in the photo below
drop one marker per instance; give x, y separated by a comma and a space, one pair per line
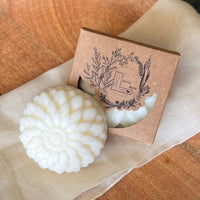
56, 139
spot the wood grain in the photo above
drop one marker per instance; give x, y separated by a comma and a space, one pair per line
174, 175
36, 35
21, 57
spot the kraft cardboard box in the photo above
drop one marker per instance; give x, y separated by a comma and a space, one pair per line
123, 73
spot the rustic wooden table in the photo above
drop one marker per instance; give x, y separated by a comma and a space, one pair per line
38, 35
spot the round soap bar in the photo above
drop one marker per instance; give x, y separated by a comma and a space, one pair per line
123, 118
63, 129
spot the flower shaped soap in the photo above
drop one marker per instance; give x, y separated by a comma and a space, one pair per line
63, 129
123, 118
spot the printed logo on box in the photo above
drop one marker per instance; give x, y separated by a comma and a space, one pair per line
118, 77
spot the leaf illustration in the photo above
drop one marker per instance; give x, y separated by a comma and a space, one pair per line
86, 72
141, 68
130, 57
147, 77
94, 61
111, 81
87, 77
95, 67
88, 67
94, 73
92, 83
112, 68
100, 75
104, 60
107, 86
103, 69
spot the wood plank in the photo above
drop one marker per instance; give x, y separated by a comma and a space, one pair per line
174, 175
21, 57
37, 35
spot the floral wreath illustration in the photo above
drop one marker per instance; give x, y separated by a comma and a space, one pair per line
99, 73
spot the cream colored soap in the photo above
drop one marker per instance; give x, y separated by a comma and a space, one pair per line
124, 118
63, 129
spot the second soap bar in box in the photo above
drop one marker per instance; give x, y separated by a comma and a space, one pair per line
125, 76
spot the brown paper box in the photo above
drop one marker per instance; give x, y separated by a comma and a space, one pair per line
123, 73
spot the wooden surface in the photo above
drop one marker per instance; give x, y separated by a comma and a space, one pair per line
175, 175
36, 35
